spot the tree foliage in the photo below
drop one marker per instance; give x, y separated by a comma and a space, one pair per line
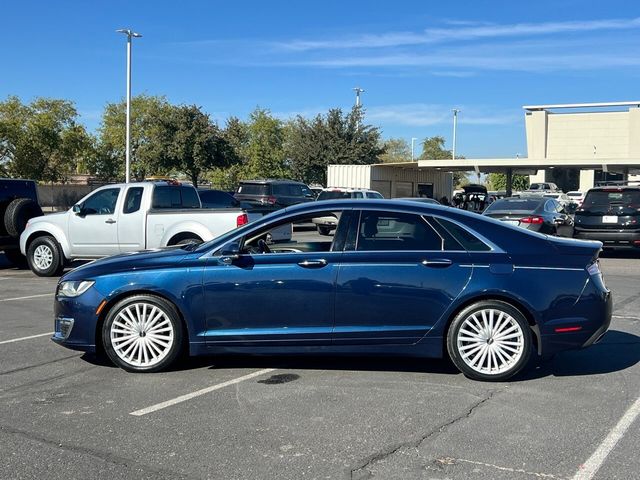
41, 140
264, 154
498, 181
433, 149
395, 150
334, 138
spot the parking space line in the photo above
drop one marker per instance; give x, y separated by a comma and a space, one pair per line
13, 340
189, 396
25, 298
591, 466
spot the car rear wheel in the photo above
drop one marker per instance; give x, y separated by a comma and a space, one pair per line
489, 340
142, 333
44, 257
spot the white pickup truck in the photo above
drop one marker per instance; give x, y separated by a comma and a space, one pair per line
124, 218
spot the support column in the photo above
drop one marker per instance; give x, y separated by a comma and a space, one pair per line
509, 181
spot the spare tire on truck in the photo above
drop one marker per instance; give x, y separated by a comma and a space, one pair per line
18, 213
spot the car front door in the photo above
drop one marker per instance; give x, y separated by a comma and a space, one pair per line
398, 275
279, 294
93, 230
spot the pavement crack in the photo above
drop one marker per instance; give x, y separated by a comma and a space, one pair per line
104, 456
354, 472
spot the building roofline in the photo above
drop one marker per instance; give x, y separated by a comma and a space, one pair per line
581, 105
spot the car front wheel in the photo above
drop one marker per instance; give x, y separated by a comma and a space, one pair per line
44, 257
142, 333
489, 340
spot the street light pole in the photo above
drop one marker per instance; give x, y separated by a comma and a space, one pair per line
358, 91
413, 142
129, 33
455, 127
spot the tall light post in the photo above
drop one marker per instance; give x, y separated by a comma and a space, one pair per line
358, 91
455, 127
413, 142
129, 33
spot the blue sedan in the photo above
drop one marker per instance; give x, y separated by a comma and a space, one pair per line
396, 278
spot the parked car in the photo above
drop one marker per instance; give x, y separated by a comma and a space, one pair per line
18, 204
123, 218
280, 193
610, 215
563, 199
537, 213
473, 197
544, 187
576, 196
397, 278
211, 198
325, 225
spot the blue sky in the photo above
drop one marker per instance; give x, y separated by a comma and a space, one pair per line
416, 59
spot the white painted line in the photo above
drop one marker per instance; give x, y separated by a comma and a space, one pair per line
13, 340
26, 298
591, 466
189, 396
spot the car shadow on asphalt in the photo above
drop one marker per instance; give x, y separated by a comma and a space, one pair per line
616, 351
620, 254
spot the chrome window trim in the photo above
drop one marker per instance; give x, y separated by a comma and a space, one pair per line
494, 248
527, 267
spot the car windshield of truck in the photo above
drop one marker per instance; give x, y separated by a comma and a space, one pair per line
602, 201
253, 189
333, 195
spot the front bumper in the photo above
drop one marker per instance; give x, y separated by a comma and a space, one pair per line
75, 321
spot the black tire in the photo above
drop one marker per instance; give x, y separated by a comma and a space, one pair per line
16, 258
322, 230
520, 354
186, 241
48, 246
172, 319
18, 213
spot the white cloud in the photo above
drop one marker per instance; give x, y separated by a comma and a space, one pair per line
426, 115
461, 31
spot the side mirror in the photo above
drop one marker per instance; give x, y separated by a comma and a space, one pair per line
230, 252
77, 209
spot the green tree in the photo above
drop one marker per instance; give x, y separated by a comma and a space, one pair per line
41, 140
498, 181
236, 135
395, 150
265, 155
193, 144
334, 138
433, 149
149, 117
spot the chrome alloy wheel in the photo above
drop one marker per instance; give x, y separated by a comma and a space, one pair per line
490, 341
43, 257
142, 334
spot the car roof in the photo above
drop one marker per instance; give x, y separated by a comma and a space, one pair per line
347, 189
615, 188
271, 180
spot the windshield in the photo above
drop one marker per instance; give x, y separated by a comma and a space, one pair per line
514, 204
602, 201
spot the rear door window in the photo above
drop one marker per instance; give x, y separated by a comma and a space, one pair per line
470, 242
386, 231
253, 189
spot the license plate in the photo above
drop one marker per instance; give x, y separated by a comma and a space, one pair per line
512, 222
610, 219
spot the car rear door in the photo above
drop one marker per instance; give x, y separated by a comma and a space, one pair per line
396, 278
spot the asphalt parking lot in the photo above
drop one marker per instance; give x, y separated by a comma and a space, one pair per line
68, 415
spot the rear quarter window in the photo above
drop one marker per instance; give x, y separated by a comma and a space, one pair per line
465, 238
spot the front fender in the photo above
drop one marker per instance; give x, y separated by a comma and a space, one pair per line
44, 228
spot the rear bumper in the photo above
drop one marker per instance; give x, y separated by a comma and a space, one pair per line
613, 239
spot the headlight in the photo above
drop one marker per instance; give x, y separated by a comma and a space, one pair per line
74, 289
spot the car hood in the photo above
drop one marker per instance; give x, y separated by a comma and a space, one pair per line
50, 217
145, 259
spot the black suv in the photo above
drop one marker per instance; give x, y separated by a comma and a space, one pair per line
610, 214
279, 193
18, 203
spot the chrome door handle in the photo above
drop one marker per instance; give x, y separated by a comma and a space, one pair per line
110, 221
437, 263
313, 263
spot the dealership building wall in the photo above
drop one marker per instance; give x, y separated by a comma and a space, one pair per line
393, 181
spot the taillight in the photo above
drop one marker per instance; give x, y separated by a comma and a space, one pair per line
533, 220
242, 220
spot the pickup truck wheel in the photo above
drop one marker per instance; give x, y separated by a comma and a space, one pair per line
18, 214
15, 257
142, 333
44, 257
